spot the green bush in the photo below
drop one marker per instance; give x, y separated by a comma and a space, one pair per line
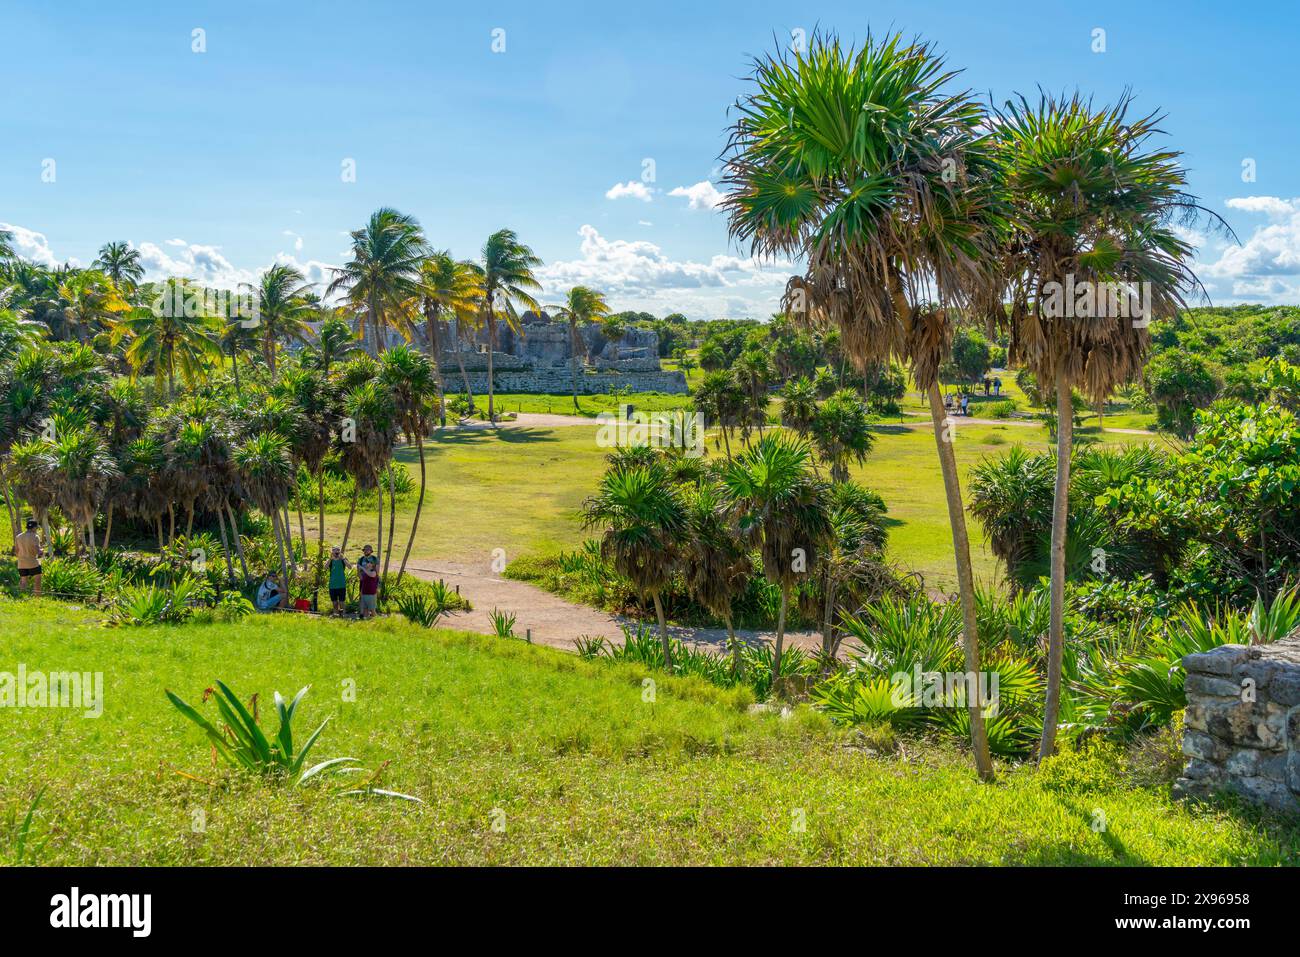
70, 579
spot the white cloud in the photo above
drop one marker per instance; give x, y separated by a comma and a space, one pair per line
703, 195
297, 240
637, 274
31, 245
633, 189
644, 222
1266, 266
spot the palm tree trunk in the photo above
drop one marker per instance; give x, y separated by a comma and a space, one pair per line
320, 534
780, 632
737, 663
419, 504
828, 632
108, 525
239, 542
352, 510
158, 524
13, 516
189, 522
379, 497
1060, 521
392, 528
573, 361
492, 341
663, 633
171, 524
276, 525
965, 581
469, 392
90, 535
434, 353
225, 544
234, 367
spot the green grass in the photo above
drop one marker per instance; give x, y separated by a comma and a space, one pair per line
522, 490
565, 753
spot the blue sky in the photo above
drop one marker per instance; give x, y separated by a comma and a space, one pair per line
217, 164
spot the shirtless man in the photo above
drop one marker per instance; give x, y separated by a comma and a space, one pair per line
27, 546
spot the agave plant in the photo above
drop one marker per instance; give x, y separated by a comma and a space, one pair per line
242, 744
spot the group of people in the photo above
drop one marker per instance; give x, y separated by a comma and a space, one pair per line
960, 405
271, 595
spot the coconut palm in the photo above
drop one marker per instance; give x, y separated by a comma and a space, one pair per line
448, 288
716, 562
384, 272
863, 166
507, 280
82, 472
266, 475
367, 449
1095, 208
644, 522
90, 300
7, 251
841, 431
121, 263
778, 505
284, 309
409, 380
169, 344
583, 305
335, 342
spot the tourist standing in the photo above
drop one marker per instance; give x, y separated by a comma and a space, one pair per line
28, 549
368, 572
338, 579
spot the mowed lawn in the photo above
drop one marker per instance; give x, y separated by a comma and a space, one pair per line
521, 490
521, 755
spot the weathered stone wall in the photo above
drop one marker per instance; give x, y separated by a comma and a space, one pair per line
1243, 723
522, 376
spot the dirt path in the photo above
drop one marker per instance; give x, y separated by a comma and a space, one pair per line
532, 420
552, 620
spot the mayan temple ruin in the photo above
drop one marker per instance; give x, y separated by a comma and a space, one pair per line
538, 357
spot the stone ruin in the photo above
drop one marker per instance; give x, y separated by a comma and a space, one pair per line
1242, 724
536, 358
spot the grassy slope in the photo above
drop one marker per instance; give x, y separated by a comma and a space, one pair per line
521, 490
583, 769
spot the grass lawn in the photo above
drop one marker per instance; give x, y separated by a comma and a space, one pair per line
522, 489
564, 756
591, 405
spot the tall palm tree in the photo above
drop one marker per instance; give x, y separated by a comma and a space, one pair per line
779, 505
799, 405
753, 370
170, 344
507, 280
82, 471
448, 288
581, 306
285, 308
90, 300
384, 272
7, 250
861, 164
1094, 208
643, 521
365, 454
717, 564
121, 263
408, 379
266, 474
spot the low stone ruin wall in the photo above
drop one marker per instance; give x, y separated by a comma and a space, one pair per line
1243, 724
559, 381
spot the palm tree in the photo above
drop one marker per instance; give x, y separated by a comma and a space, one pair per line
315, 399
863, 166
169, 343
448, 287
89, 299
384, 272
408, 379
799, 405
753, 370
335, 342
365, 454
121, 263
7, 251
285, 308
779, 505
1095, 209
851, 567
644, 522
583, 305
841, 430
82, 471
717, 564
266, 474
507, 279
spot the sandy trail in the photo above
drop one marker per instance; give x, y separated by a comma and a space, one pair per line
552, 620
